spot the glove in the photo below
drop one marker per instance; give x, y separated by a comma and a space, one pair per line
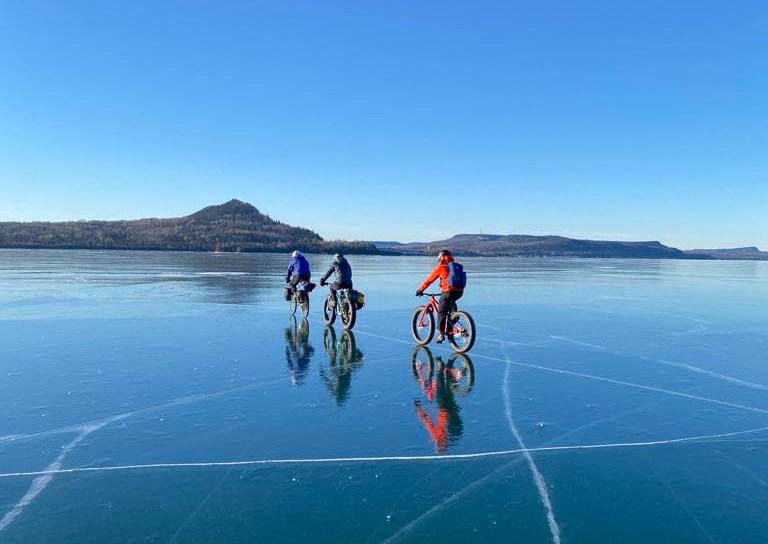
419, 292
322, 282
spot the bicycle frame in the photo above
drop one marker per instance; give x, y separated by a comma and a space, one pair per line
338, 294
297, 301
433, 306
339, 302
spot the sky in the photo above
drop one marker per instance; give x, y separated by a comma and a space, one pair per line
393, 120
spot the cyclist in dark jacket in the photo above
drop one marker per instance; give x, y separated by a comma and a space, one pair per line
449, 294
343, 274
298, 270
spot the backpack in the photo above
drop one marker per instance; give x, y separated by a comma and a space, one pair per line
457, 278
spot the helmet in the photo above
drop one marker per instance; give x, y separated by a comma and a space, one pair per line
295, 254
443, 253
338, 257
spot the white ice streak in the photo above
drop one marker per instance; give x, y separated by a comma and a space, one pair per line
328, 460
606, 380
577, 342
44, 477
748, 472
538, 479
411, 525
675, 364
470, 487
628, 384
684, 505
710, 373
221, 274
668, 314
79, 427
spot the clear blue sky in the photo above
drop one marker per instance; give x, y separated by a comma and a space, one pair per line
393, 120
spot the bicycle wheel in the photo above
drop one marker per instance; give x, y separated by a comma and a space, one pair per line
292, 329
462, 336
329, 340
348, 313
293, 303
304, 305
348, 347
329, 310
460, 373
422, 364
423, 325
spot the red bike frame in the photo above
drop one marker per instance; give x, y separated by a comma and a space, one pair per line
434, 306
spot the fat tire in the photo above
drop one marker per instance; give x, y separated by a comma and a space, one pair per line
426, 337
329, 312
467, 341
348, 314
348, 347
422, 364
329, 339
462, 362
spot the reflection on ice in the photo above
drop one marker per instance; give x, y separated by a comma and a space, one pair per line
343, 359
298, 350
595, 349
440, 382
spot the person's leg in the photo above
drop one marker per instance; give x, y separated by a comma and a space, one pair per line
443, 307
447, 301
455, 295
296, 279
334, 289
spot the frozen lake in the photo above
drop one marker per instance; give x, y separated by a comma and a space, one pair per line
168, 397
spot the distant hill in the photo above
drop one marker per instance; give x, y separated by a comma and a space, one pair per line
232, 226
239, 226
737, 253
516, 245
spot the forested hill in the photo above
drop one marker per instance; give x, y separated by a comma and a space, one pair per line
750, 253
516, 245
233, 226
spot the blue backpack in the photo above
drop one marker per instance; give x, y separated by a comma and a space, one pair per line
457, 278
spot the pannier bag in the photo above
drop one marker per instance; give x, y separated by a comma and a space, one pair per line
358, 297
306, 287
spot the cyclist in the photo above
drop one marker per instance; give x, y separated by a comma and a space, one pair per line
449, 294
343, 275
298, 270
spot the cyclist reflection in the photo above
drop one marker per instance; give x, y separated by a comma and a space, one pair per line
441, 382
298, 350
343, 359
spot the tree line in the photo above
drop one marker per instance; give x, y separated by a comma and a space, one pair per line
231, 233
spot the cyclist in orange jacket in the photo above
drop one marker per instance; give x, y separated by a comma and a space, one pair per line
449, 294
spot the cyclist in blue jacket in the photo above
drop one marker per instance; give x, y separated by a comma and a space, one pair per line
298, 270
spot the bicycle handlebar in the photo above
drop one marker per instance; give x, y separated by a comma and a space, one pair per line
431, 294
